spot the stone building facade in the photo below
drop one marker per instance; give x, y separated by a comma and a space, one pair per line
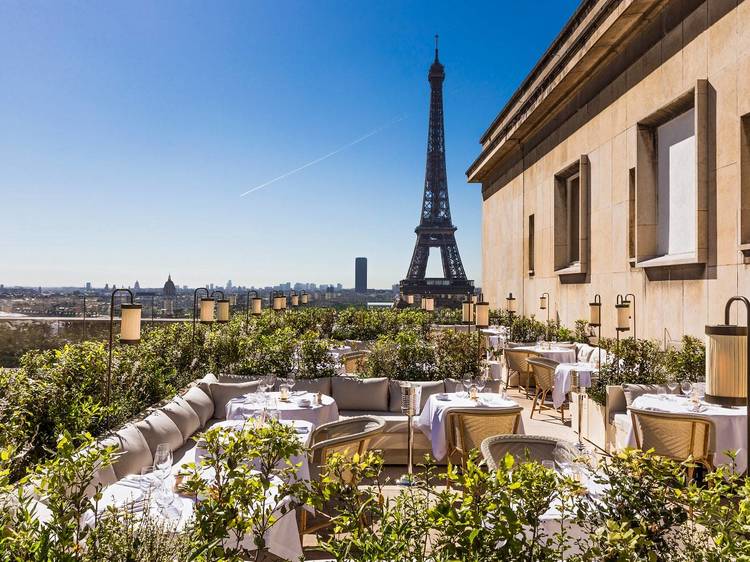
622, 165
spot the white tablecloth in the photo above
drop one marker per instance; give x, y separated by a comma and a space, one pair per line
564, 380
282, 539
304, 432
431, 421
559, 354
730, 424
241, 408
496, 337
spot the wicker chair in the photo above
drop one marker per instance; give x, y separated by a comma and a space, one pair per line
676, 436
349, 437
544, 380
516, 361
466, 428
522, 447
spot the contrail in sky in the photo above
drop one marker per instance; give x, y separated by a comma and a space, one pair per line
325, 157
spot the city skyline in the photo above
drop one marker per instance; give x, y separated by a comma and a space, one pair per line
137, 132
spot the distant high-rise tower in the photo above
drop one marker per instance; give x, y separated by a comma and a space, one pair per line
360, 275
435, 228
169, 293
137, 285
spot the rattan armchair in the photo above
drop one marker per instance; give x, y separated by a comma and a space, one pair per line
544, 381
515, 361
466, 428
676, 436
523, 448
349, 437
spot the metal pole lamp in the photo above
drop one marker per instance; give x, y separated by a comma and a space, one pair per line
222, 307
467, 312
511, 305
544, 305
409, 401
304, 298
727, 360
279, 301
481, 319
130, 331
255, 305
295, 299
595, 321
410, 299
428, 303
622, 307
206, 311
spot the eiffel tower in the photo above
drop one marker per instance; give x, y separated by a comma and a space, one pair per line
436, 228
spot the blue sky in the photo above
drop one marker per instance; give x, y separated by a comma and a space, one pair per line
130, 130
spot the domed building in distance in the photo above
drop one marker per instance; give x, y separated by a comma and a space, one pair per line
169, 293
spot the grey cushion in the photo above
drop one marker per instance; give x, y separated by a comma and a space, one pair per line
633, 391
223, 392
182, 414
205, 383
428, 389
353, 393
322, 385
201, 403
158, 428
133, 452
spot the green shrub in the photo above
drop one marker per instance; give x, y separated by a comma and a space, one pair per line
456, 353
688, 362
314, 360
405, 356
635, 361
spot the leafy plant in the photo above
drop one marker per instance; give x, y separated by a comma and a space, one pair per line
688, 362
634, 361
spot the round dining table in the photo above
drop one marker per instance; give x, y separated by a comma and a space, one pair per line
559, 354
432, 419
730, 424
295, 408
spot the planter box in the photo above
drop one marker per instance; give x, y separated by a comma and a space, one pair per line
596, 426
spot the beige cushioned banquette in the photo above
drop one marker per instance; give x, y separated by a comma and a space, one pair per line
158, 428
352, 393
201, 403
223, 392
133, 452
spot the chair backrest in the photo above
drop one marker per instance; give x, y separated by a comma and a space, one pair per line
349, 436
522, 447
466, 428
355, 361
517, 360
676, 436
544, 372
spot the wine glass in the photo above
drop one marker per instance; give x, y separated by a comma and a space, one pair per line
270, 381
467, 382
480, 383
686, 387
162, 460
673, 386
563, 458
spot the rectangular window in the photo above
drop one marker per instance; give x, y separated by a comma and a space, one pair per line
671, 182
631, 215
745, 187
571, 218
675, 154
531, 245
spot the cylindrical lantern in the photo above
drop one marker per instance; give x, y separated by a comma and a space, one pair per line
510, 303
428, 304
295, 300
595, 313
277, 303
130, 323
207, 310
623, 316
409, 299
284, 302
543, 302
222, 311
304, 298
726, 364
482, 314
467, 312
256, 303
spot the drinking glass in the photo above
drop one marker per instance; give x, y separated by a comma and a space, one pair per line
162, 460
467, 383
673, 386
686, 387
480, 383
548, 464
270, 381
